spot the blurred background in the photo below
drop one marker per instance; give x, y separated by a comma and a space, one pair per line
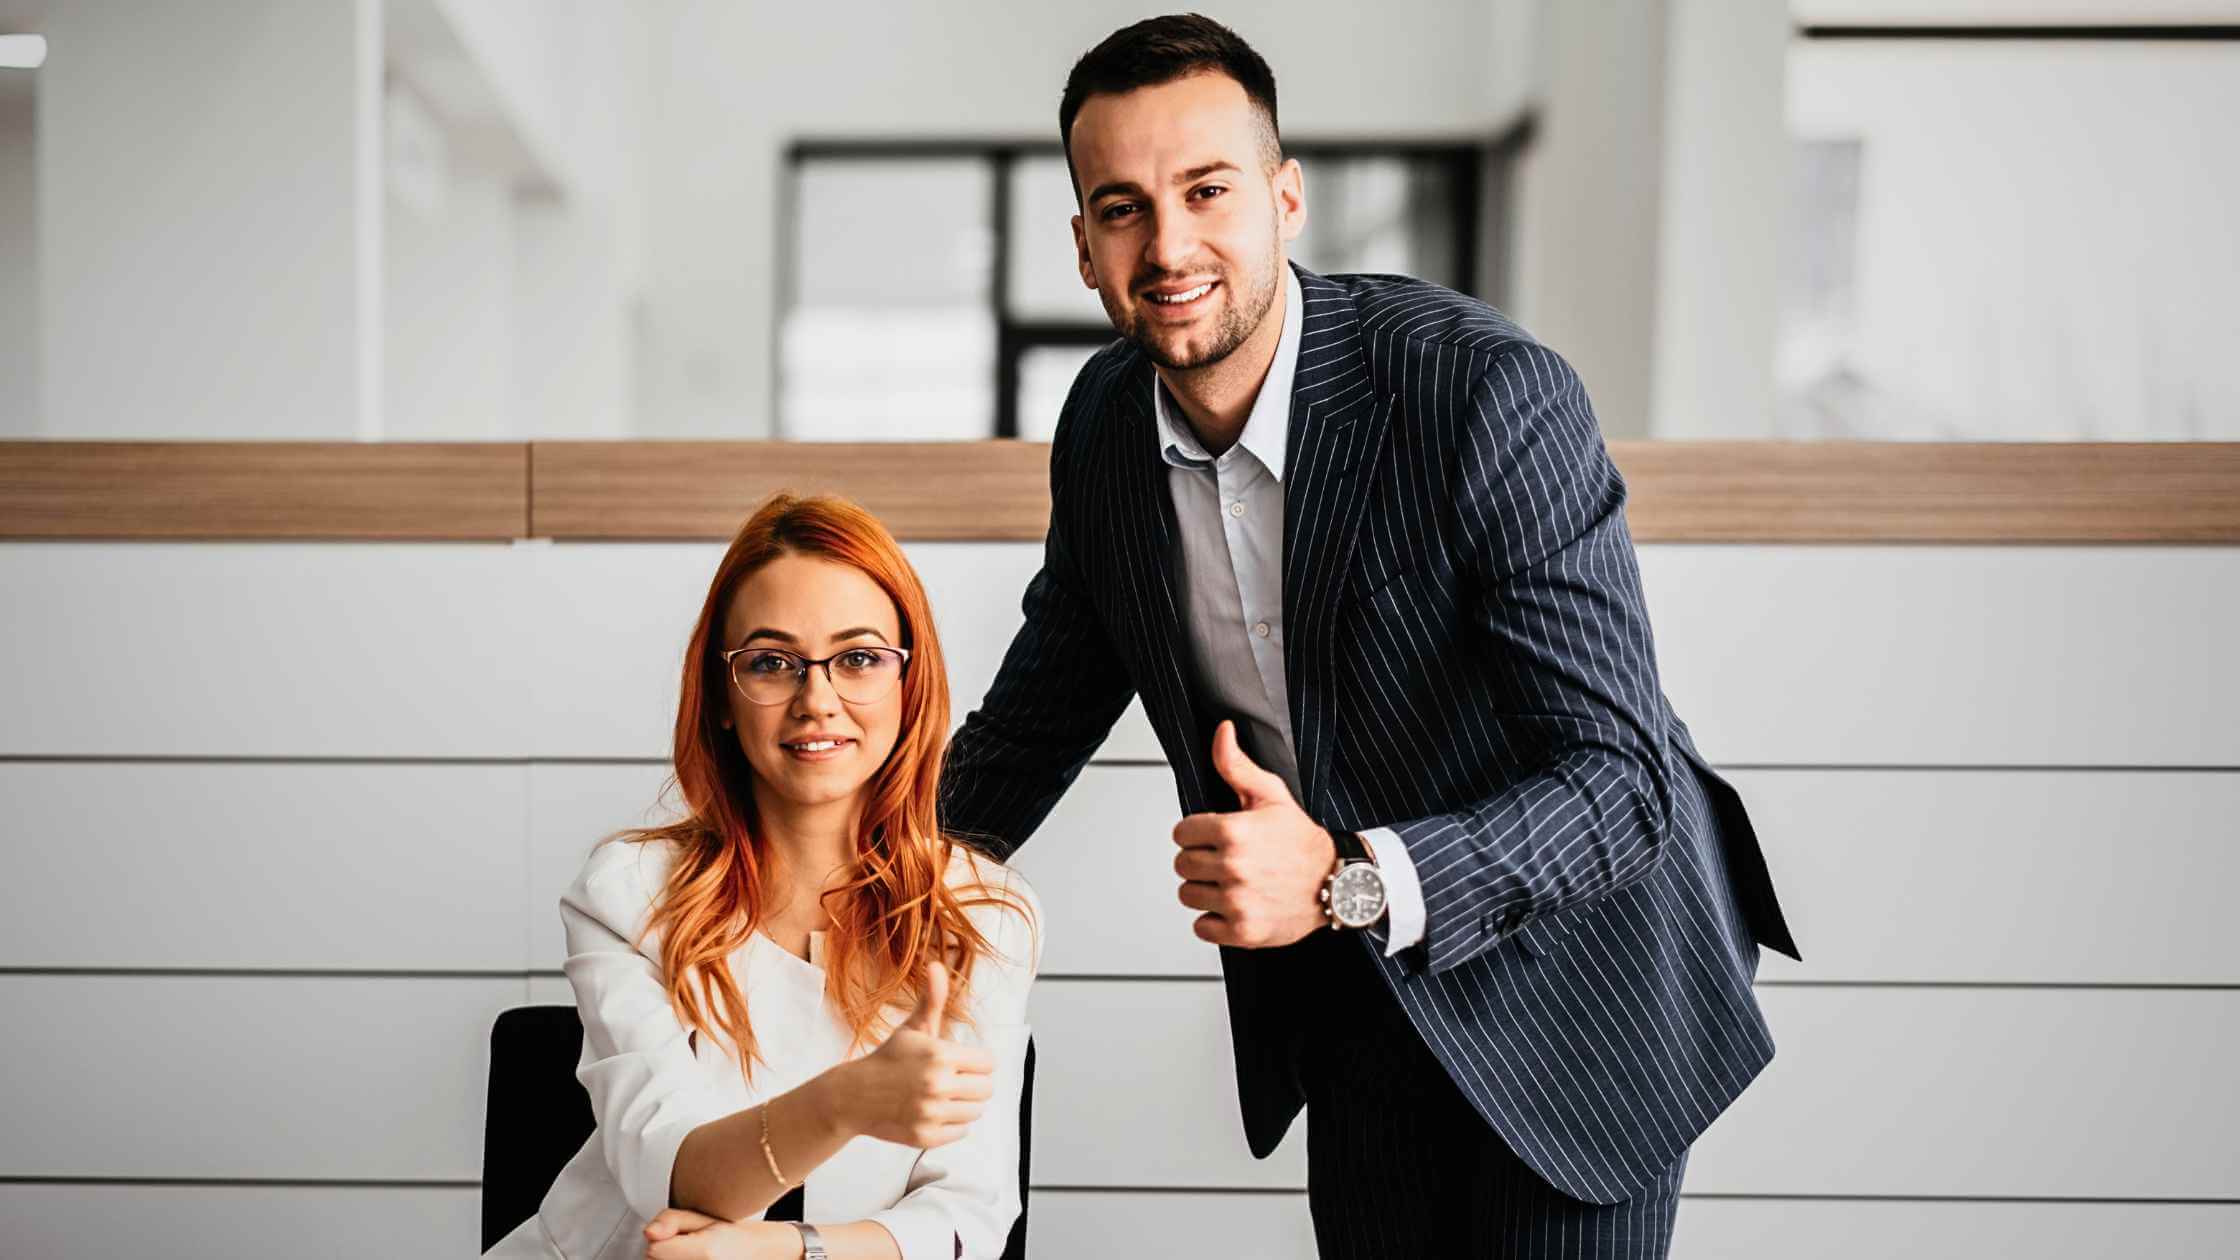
477, 219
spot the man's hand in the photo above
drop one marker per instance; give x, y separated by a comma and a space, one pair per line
1256, 874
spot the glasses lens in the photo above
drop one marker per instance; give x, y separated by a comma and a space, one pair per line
766, 677
865, 675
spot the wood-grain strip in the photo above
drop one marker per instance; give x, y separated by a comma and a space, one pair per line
1681, 492
976, 491
418, 491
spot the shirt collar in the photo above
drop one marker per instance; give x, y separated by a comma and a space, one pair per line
1267, 428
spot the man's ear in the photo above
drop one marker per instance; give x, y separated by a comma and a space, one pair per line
1081, 254
1290, 185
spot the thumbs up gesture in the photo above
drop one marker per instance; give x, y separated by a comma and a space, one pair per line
919, 1088
1254, 874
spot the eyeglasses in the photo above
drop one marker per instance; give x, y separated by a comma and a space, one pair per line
859, 675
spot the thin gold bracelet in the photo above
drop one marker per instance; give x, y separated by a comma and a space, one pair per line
768, 1155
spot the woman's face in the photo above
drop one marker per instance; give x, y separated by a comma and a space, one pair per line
813, 608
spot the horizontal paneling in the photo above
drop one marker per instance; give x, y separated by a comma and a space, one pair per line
78, 1222
630, 609
294, 1078
2029, 876
572, 806
1776, 655
1111, 1225
2023, 1093
266, 650
359, 866
2095, 1093
1950, 655
1875, 1092
356, 490
1825, 1229
256, 1222
999, 490
922, 490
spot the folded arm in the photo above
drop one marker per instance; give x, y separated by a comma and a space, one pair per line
1555, 597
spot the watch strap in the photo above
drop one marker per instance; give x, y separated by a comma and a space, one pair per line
812, 1244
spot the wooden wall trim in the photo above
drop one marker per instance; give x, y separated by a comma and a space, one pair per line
993, 490
1712, 492
419, 491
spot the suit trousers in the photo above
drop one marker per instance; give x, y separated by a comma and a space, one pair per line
1400, 1164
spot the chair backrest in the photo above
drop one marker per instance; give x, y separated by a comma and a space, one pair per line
538, 1117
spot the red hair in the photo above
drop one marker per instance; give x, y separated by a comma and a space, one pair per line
895, 912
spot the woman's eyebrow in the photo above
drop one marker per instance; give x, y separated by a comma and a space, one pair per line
765, 632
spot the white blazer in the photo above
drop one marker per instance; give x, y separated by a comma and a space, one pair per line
649, 1087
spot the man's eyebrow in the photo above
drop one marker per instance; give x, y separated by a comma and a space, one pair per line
1191, 176
765, 632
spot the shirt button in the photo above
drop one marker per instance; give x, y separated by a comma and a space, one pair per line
1261, 629
1236, 509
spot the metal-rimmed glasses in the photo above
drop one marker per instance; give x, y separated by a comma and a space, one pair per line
859, 675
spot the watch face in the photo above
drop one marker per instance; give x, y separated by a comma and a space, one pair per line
1357, 895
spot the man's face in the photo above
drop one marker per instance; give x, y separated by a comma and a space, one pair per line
1182, 227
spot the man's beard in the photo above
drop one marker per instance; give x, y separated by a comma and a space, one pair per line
1239, 318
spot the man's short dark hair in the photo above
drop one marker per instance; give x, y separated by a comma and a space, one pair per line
1161, 50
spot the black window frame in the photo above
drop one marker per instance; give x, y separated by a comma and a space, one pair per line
1482, 179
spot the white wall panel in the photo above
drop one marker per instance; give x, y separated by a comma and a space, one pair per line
246, 1077
356, 866
573, 806
2039, 877
1103, 863
1107, 1225
615, 618
1835, 1229
2113, 656
79, 1222
2015, 1093
264, 650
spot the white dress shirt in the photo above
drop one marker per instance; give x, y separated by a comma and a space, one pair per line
1228, 512
650, 1087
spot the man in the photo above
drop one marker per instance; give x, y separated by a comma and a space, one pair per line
1357, 544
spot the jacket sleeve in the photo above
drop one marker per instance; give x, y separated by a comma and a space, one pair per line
1553, 593
962, 1197
1061, 687
646, 1089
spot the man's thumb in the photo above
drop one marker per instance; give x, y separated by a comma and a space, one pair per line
932, 1002
1252, 783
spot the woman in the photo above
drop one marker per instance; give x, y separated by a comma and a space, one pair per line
803, 982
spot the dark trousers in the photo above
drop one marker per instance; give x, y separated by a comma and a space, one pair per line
1400, 1164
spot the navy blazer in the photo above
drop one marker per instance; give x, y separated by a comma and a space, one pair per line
1469, 663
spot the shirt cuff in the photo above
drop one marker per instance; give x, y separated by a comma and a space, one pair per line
921, 1231
1403, 892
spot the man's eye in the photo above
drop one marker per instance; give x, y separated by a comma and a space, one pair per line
1211, 190
1112, 212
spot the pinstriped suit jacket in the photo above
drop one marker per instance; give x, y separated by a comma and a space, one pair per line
1469, 663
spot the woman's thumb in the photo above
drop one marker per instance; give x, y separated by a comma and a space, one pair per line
932, 1002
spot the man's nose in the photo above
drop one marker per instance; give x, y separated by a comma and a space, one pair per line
1173, 242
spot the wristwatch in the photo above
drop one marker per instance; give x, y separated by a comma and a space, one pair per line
812, 1246
1353, 895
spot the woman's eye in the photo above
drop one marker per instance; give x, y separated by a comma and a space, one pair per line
771, 663
859, 659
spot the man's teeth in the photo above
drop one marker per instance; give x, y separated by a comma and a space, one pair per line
1187, 295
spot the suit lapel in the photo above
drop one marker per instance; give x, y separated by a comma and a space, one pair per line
1338, 419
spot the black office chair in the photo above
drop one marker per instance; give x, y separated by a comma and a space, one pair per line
538, 1117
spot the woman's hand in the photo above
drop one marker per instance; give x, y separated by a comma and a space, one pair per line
917, 1089
681, 1235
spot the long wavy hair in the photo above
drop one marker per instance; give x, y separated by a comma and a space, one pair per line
896, 911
